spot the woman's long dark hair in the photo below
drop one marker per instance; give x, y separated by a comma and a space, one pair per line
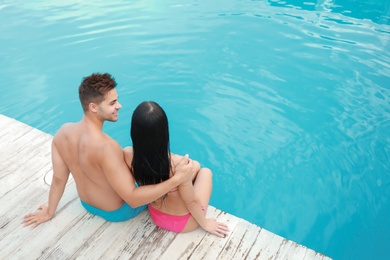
150, 135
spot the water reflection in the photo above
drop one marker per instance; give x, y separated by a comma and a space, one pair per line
377, 11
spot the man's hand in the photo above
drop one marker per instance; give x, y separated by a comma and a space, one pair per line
34, 219
216, 228
184, 170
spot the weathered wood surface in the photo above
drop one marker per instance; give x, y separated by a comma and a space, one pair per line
75, 234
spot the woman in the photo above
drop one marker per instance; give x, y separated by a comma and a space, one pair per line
182, 209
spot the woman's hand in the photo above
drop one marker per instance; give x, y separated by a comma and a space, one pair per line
216, 228
184, 170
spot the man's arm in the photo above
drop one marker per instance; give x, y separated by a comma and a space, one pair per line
57, 187
120, 178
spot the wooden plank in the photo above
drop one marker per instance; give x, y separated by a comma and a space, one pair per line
274, 247
284, 249
211, 246
89, 224
296, 252
26, 157
35, 242
24, 176
242, 240
108, 241
21, 147
10, 136
126, 245
314, 255
7, 124
16, 236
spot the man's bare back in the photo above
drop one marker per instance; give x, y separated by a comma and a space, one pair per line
82, 148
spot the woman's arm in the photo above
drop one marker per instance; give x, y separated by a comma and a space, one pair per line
194, 206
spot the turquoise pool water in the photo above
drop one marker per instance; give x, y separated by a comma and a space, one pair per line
288, 102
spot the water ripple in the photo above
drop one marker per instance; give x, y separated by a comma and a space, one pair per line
288, 103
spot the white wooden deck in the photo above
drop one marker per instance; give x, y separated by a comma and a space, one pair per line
75, 234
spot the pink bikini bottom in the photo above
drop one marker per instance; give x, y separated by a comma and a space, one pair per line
167, 221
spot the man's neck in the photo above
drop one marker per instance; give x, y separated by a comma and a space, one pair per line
93, 122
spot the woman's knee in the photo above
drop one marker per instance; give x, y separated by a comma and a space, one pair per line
206, 171
206, 174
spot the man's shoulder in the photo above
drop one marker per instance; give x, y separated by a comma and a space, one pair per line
67, 127
108, 144
109, 152
108, 140
64, 130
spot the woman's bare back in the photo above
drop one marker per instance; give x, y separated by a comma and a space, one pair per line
172, 203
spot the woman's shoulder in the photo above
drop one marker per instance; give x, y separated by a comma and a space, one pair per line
175, 158
128, 154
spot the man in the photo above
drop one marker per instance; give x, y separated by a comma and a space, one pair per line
103, 180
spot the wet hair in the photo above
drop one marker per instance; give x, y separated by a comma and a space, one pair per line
93, 88
150, 135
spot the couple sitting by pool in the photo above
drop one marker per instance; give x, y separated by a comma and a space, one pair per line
175, 188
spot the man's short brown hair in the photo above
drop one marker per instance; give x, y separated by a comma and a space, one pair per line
93, 88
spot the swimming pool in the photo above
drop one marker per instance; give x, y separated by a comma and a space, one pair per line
286, 101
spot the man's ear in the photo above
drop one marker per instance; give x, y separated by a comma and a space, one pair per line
92, 107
